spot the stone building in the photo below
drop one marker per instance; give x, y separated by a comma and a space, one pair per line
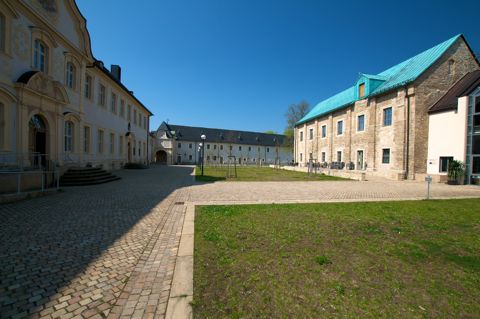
454, 130
59, 105
380, 124
178, 144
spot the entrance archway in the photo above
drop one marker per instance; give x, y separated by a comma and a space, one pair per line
161, 157
37, 140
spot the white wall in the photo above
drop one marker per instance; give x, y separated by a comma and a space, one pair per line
447, 135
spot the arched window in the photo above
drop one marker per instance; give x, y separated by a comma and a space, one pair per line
3, 32
70, 76
40, 56
68, 136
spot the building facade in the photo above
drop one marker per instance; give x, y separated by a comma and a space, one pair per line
178, 144
380, 124
454, 130
58, 104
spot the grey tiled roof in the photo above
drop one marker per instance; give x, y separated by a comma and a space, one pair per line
214, 135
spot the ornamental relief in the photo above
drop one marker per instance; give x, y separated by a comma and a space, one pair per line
48, 8
20, 42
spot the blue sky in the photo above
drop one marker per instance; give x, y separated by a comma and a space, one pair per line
239, 64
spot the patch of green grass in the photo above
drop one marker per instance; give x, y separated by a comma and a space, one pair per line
255, 173
413, 259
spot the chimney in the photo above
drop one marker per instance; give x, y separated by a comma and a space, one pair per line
116, 71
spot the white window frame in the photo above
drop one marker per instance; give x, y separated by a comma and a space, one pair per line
69, 128
70, 74
343, 127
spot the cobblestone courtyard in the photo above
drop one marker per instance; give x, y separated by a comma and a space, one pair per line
110, 250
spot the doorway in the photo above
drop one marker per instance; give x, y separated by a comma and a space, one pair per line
161, 157
360, 162
179, 159
37, 141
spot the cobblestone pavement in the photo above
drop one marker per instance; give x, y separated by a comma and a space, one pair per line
109, 250
91, 252
278, 192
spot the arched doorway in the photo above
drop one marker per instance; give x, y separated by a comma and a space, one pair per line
37, 140
161, 157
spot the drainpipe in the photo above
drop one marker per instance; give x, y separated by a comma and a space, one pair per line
407, 142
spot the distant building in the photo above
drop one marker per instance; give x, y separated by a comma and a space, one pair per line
178, 144
59, 105
454, 130
381, 124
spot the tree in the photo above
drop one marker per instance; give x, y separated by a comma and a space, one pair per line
295, 113
270, 132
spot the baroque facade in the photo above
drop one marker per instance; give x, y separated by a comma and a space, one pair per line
178, 144
59, 105
380, 124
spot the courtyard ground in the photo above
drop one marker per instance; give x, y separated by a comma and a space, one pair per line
410, 259
111, 250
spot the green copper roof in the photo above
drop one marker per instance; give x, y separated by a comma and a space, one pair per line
396, 76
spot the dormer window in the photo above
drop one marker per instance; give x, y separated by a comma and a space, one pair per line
361, 90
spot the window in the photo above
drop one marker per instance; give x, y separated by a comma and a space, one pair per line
301, 136
139, 148
122, 108
113, 103
361, 123
112, 143
139, 119
444, 161
221, 147
101, 95
311, 133
324, 131
3, 32
310, 155
86, 139
324, 156
190, 145
145, 122
144, 150
387, 116
301, 157
134, 148
70, 76
215, 146
40, 56
129, 113
249, 148
68, 136
339, 127
268, 149
231, 147
208, 158
214, 158
239, 148
100, 141
339, 156
208, 146
120, 145
385, 156
361, 90
134, 116
190, 157
88, 87
179, 145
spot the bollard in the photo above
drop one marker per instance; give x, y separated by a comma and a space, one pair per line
428, 179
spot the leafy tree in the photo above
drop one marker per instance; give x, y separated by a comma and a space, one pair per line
270, 132
295, 113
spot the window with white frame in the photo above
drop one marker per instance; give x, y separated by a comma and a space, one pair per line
86, 139
88, 86
444, 162
68, 136
70, 75
112, 143
40, 56
339, 127
324, 131
387, 116
3, 32
361, 123
122, 108
100, 141
101, 94
385, 156
120, 145
113, 103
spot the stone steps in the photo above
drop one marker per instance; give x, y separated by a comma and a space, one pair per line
86, 176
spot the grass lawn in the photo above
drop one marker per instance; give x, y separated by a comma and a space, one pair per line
413, 259
253, 173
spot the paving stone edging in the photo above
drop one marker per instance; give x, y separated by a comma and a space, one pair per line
181, 293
